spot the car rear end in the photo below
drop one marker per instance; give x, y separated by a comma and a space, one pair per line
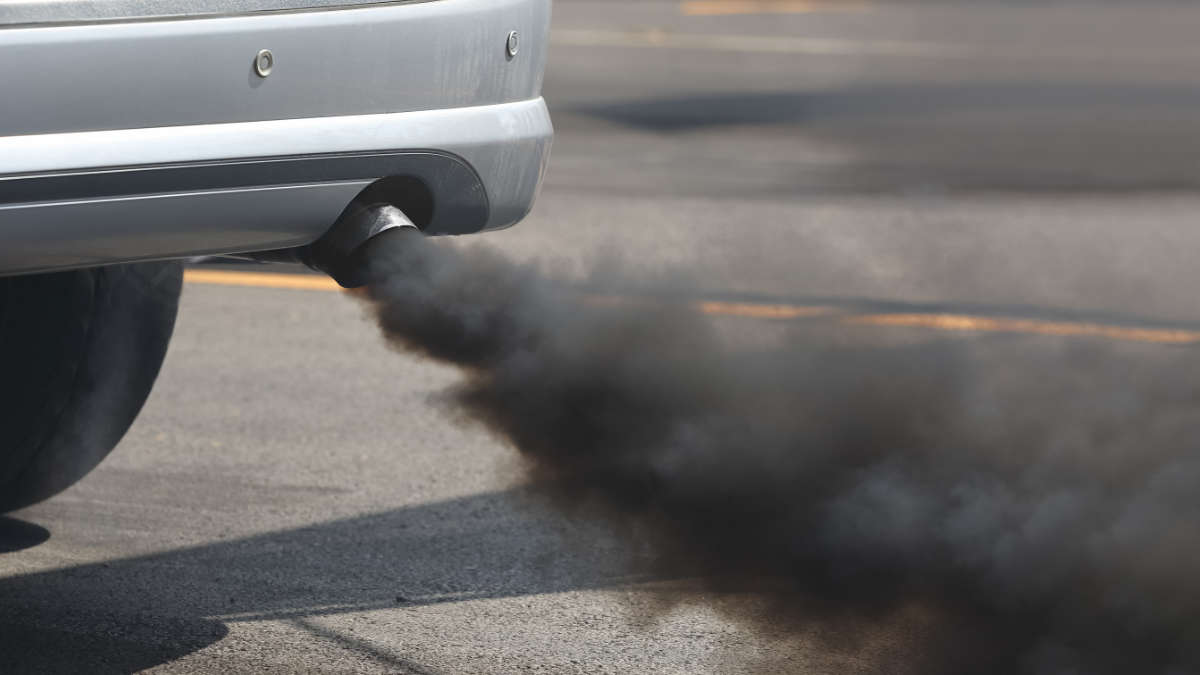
135, 133
235, 126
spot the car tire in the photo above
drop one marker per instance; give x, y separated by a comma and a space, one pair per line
79, 353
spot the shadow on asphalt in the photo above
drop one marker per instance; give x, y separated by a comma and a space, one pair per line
127, 615
17, 535
886, 102
992, 136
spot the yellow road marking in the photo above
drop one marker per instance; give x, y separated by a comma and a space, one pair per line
761, 311
731, 7
984, 324
777, 311
260, 280
751, 310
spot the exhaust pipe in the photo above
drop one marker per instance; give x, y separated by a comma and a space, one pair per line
340, 251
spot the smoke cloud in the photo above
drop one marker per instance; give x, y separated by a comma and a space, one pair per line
1012, 505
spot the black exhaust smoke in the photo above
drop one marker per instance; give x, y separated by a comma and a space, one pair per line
1016, 508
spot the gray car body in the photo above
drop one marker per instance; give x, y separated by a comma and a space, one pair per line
130, 131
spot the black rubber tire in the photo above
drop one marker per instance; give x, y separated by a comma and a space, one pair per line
79, 353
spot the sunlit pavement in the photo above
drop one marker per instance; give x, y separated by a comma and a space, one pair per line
297, 497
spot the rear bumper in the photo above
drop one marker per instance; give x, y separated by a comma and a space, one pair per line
228, 188
223, 161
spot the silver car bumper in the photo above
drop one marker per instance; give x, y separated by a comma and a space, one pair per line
154, 139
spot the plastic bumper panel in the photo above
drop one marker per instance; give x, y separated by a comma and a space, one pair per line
94, 198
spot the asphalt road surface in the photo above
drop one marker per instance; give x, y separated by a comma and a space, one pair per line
296, 497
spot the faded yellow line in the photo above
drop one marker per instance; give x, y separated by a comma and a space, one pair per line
769, 311
304, 282
760, 311
732, 7
750, 310
965, 322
